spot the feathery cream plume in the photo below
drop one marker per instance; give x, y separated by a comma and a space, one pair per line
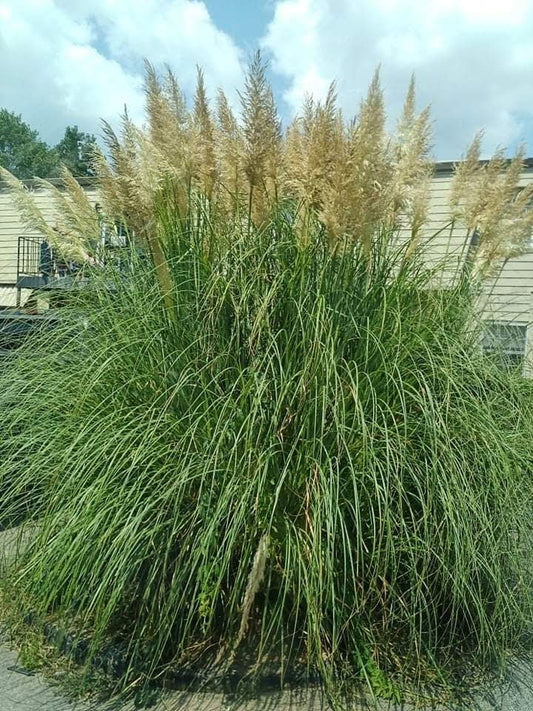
204, 139
487, 197
255, 579
70, 243
411, 164
230, 157
262, 140
369, 166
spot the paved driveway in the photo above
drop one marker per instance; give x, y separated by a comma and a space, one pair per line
19, 692
26, 693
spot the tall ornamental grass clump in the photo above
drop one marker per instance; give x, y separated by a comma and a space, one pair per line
312, 463
265, 438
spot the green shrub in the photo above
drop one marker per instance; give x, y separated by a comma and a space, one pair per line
270, 437
308, 461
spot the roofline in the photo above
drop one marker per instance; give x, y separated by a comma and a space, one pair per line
83, 181
447, 166
443, 166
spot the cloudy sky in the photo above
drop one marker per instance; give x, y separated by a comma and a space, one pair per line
73, 62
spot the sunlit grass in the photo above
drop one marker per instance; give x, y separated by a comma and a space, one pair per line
307, 462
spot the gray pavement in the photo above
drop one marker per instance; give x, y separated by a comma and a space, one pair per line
19, 692
26, 693
22, 692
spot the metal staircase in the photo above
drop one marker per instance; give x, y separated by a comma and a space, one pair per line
38, 269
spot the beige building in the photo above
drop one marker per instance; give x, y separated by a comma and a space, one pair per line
507, 308
20, 246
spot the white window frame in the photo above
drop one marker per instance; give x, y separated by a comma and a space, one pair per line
521, 351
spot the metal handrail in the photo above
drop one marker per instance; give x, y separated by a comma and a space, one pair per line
29, 256
35, 263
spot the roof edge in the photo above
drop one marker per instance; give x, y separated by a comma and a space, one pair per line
84, 181
447, 166
443, 166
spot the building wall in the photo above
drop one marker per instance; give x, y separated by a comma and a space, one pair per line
508, 296
11, 228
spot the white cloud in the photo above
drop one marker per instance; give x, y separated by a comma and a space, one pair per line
73, 61
68, 61
472, 60
179, 32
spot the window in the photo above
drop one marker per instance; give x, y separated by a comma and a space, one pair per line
506, 341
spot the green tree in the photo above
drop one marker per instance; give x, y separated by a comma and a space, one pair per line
75, 151
22, 152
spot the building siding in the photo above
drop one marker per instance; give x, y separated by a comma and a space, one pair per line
11, 228
508, 297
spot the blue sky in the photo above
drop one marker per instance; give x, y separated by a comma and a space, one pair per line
245, 20
75, 62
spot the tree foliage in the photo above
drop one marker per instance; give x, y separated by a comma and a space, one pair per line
25, 155
75, 151
21, 150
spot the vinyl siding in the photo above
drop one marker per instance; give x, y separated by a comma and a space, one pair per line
11, 228
508, 297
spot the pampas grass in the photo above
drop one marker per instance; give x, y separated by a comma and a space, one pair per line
349, 174
266, 438
311, 465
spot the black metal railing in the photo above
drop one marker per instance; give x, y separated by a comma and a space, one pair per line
38, 265
29, 256
29, 264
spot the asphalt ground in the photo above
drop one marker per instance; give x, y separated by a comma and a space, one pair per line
21, 690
